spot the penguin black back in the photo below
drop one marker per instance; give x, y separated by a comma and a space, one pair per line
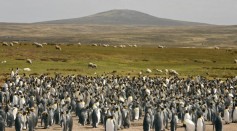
218, 123
147, 122
157, 122
2, 124
173, 123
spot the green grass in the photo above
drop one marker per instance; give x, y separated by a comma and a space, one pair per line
73, 59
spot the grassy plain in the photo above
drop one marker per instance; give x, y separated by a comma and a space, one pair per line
189, 49
73, 59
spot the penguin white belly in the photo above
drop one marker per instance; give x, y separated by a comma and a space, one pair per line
38, 90
15, 100
187, 116
162, 120
14, 112
188, 88
62, 102
82, 104
12, 74
136, 110
235, 115
52, 116
227, 116
24, 119
22, 102
199, 124
177, 119
98, 116
55, 106
109, 125
130, 99
190, 126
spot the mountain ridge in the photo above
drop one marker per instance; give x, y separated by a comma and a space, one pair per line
123, 17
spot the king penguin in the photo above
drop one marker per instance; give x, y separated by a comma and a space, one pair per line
136, 113
10, 119
173, 122
57, 116
147, 122
235, 115
45, 119
18, 126
157, 121
95, 118
226, 115
200, 124
110, 124
30, 122
218, 122
2, 124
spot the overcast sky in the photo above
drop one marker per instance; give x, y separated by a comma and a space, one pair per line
222, 12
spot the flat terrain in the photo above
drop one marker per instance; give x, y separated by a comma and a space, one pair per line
73, 59
188, 36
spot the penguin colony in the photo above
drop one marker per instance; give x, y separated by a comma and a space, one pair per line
116, 102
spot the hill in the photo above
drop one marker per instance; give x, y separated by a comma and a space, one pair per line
123, 17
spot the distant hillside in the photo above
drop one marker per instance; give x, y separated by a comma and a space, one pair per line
123, 17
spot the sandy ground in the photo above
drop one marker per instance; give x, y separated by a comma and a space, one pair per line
136, 126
